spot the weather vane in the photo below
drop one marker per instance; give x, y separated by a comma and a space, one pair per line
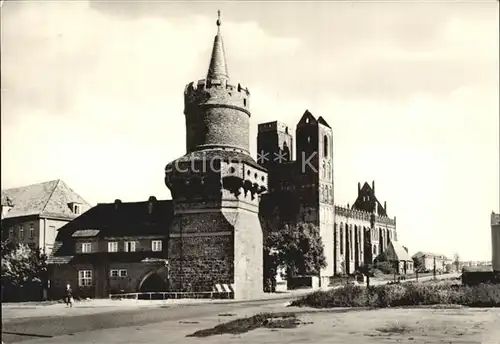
218, 17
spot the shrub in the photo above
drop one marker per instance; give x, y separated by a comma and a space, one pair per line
405, 294
348, 296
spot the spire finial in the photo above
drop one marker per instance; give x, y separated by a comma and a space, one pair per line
218, 69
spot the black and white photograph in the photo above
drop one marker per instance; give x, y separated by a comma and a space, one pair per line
250, 171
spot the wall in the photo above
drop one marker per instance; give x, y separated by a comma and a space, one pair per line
202, 254
102, 283
26, 222
47, 233
248, 256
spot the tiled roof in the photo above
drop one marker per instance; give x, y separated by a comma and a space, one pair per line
401, 253
45, 199
122, 219
58, 256
116, 220
428, 254
85, 233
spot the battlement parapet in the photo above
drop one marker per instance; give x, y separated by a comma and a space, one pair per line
352, 213
273, 126
216, 92
385, 220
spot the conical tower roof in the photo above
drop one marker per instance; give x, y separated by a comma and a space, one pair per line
218, 67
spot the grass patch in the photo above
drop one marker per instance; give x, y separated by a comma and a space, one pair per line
405, 294
395, 329
239, 326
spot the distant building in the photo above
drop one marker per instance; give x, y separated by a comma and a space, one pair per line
495, 242
32, 214
428, 260
398, 255
113, 248
479, 272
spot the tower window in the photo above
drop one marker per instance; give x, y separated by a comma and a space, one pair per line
309, 139
325, 146
244, 102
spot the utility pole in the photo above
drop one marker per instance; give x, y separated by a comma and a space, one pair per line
434, 269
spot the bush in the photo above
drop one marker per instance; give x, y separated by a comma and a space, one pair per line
348, 296
405, 294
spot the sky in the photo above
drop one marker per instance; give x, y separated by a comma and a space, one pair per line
92, 93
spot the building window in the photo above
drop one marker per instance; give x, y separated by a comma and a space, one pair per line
375, 250
21, 232
341, 239
118, 273
85, 278
76, 209
86, 247
112, 246
32, 231
325, 146
129, 246
156, 245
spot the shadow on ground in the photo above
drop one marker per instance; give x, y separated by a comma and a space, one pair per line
264, 320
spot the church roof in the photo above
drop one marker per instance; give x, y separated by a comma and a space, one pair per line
52, 198
400, 252
217, 69
323, 121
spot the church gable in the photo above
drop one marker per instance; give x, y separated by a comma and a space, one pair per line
307, 118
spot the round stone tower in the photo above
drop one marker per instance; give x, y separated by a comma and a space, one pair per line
216, 236
217, 112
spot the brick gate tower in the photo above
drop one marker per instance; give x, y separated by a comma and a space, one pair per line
216, 236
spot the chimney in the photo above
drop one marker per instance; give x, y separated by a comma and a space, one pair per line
151, 202
117, 203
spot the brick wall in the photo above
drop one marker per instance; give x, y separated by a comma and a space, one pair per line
248, 256
202, 255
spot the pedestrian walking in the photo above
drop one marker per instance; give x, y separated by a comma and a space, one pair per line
69, 296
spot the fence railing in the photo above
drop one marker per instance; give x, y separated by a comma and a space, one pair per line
173, 295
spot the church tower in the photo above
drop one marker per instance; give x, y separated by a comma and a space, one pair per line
216, 236
315, 164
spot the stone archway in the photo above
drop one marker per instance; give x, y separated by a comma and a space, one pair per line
153, 282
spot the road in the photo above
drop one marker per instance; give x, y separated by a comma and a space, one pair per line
21, 329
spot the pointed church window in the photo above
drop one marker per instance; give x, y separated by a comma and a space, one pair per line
325, 146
